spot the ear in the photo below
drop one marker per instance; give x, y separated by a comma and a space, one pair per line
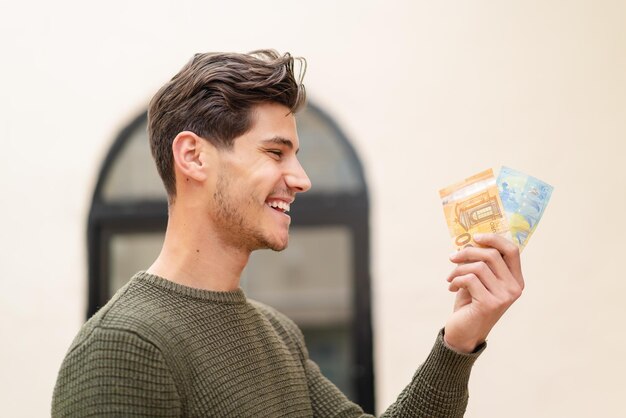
190, 156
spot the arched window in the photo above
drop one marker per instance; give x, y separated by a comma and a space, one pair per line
321, 280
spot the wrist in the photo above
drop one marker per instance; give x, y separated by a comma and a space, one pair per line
464, 347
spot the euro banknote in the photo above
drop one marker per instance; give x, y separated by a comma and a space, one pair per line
473, 206
524, 199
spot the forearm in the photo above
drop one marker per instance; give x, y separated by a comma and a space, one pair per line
439, 387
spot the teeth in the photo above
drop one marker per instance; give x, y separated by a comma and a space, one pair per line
284, 206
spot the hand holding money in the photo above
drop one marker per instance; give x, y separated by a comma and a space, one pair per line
487, 280
490, 222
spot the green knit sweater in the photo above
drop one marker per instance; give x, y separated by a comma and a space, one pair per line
161, 349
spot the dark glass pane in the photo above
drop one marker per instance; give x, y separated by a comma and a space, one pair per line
331, 348
130, 253
310, 281
133, 175
325, 155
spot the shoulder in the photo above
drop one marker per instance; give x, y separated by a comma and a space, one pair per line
284, 326
114, 348
269, 311
90, 379
275, 317
104, 344
130, 312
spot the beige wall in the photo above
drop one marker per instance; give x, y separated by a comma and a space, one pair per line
429, 92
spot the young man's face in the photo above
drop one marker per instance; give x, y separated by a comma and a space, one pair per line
257, 180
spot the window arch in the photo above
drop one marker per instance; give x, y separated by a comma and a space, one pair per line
321, 281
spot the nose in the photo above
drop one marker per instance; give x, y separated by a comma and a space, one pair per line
297, 179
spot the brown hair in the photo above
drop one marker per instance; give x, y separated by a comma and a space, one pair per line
213, 96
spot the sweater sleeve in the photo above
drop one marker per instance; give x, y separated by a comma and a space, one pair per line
438, 388
114, 373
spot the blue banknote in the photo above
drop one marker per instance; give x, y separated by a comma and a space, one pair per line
524, 199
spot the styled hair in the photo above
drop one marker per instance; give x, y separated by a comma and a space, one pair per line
213, 96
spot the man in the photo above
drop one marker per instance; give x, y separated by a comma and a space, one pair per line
181, 339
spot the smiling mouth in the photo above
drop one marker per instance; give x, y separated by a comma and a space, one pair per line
279, 206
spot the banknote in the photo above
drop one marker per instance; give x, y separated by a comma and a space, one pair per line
473, 206
524, 199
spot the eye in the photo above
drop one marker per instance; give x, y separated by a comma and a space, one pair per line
276, 152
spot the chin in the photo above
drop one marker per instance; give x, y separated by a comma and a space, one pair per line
269, 243
277, 243
278, 246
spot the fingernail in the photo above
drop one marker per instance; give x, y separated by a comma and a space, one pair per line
478, 237
453, 255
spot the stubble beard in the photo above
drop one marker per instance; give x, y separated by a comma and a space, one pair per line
235, 230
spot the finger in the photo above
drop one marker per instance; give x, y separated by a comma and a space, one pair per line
481, 270
507, 284
510, 253
490, 256
472, 284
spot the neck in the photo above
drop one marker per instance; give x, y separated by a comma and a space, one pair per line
192, 256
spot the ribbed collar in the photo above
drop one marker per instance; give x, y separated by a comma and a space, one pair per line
234, 296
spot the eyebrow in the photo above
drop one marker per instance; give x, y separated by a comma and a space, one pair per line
279, 140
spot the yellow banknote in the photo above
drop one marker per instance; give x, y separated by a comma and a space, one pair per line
473, 206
